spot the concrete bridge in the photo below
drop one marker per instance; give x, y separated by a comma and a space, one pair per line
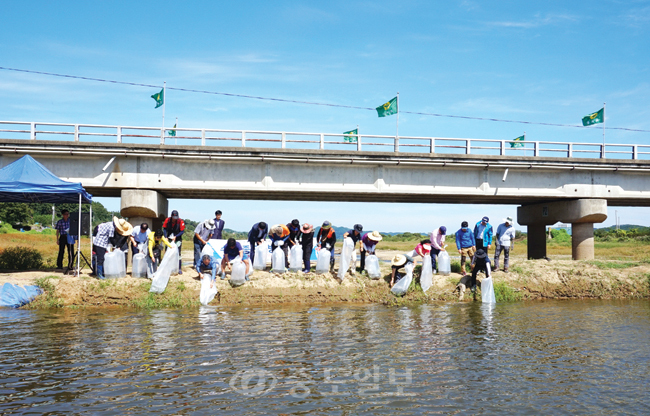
550, 187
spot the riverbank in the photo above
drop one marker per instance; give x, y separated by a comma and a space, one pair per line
527, 280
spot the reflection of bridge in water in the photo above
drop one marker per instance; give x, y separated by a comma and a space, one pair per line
567, 182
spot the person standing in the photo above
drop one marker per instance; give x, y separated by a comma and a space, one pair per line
62, 230
174, 228
326, 239
483, 234
218, 226
505, 242
437, 238
202, 234
139, 236
256, 236
104, 233
368, 244
307, 242
466, 245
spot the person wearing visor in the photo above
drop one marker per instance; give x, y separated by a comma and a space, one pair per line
483, 234
174, 228
437, 238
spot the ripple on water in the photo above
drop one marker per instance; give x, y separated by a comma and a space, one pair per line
524, 358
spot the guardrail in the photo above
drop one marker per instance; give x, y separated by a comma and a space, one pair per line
294, 140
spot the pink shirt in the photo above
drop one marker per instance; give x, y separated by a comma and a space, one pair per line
437, 239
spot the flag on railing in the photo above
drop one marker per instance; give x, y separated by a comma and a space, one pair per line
172, 132
351, 139
159, 97
594, 118
518, 142
388, 108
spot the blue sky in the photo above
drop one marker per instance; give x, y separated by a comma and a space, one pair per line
552, 61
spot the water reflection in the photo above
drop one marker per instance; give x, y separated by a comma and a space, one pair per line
547, 357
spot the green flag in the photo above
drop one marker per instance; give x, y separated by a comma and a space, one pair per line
351, 139
518, 142
159, 97
387, 109
594, 118
172, 132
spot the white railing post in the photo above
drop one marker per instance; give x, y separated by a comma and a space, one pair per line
536, 147
119, 134
358, 143
284, 140
602, 151
162, 136
635, 152
468, 148
432, 145
396, 144
76, 132
32, 134
243, 139
202, 137
570, 150
503, 147
322, 141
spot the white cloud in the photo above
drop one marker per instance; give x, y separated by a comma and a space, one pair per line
537, 21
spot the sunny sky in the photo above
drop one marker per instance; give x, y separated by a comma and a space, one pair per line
547, 62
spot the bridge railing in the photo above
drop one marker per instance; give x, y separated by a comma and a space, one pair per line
97, 133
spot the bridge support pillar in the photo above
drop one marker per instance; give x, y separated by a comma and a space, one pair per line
580, 213
140, 205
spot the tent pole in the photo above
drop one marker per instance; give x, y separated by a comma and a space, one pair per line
79, 236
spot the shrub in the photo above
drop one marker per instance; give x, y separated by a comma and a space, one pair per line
20, 258
6, 228
560, 236
505, 293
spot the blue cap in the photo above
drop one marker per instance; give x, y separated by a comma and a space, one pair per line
485, 219
443, 229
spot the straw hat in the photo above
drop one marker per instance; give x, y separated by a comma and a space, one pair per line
307, 228
398, 260
122, 226
276, 229
375, 236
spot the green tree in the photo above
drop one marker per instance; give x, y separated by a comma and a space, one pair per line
16, 212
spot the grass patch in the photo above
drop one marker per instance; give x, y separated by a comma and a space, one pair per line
613, 264
48, 299
505, 293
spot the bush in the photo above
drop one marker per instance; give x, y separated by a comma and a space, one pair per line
560, 236
505, 293
6, 228
20, 258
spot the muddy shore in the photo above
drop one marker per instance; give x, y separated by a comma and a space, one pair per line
527, 280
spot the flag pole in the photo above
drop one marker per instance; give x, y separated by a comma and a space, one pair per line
164, 102
604, 129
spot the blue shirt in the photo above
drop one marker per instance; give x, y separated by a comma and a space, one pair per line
232, 252
62, 226
212, 266
465, 239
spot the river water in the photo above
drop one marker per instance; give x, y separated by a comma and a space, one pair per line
553, 357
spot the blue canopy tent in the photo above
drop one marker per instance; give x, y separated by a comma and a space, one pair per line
26, 180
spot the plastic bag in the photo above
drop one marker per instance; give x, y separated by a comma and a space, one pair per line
114, 264
323, 261
487, 291
259, 263
278, 261
207, 293
295, 258
400, 288
207, 249
444, 266
238, 274
139, 268
168, 265
14, 296
426, 277
372, 266
346, 257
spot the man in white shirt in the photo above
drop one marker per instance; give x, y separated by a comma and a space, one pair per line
505, 242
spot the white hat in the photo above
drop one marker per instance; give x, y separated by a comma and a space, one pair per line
209, 224
375, 236
509, 220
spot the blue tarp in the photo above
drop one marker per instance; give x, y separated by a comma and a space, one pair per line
26, 180
14, 296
